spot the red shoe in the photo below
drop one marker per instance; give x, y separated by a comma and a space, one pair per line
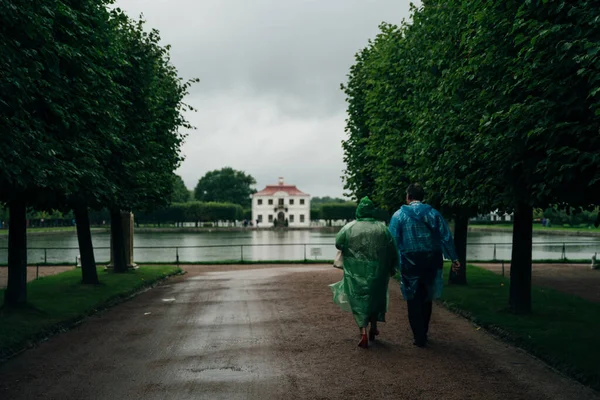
364, 342
373, 333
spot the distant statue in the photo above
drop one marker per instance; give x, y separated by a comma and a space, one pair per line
595, 264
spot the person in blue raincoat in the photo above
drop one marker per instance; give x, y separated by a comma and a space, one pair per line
369, 260
423, 238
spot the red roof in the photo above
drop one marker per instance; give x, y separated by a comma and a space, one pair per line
270, 190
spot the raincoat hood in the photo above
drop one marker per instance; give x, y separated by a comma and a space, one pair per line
365, 209
417, 211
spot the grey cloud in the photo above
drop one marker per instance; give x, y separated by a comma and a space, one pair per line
270, 71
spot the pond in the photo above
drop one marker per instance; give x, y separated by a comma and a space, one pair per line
269, 245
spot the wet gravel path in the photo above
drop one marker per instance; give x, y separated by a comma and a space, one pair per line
235, 332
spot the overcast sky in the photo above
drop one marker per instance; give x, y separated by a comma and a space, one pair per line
269, 100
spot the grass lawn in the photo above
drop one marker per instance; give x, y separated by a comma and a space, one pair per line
62, 299
49, 229
563, 330
538, 227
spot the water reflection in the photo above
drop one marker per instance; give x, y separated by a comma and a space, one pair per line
277, 245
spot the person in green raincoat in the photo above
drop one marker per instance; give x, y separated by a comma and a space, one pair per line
369, 260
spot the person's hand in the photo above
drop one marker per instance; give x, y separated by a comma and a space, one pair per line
455, 265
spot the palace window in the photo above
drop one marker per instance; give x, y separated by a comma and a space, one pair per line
301, 218
301, 202
291, 217
259, 202
270, 218
270, 202
260, 218
291, 202
281, 202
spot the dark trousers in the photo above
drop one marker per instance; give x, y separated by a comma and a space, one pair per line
419, 314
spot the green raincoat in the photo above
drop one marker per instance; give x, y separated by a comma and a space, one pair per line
370, 258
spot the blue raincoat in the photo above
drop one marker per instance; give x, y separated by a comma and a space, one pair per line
422, 236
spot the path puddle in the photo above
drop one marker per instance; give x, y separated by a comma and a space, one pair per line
222, 374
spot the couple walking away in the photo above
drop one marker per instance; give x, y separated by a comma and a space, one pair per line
415, 243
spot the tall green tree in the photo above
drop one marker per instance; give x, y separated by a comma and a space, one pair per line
359, 174
338, 211
53, 88
99, 96
494, 105
394, 106
143, 160
180, 193
535, 71
441, 124
226, 186
326, 200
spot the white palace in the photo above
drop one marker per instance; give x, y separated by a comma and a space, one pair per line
284, 203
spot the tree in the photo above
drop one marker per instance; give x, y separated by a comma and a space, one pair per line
100, 97
180, 193
55, 89
541, 145
521, 147
359, 175
338, 211
144, 159
396, 83
441, 123
326, 200
225, 186
315, 213
495, 105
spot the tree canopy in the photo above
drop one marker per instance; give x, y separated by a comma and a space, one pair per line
325, 200
226, 186
491, 105
91, 111
179, 193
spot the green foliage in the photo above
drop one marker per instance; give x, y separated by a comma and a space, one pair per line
492, 105
326, 200
180, 193
226, 186
54, 87
449, 100
91, 110
152, 113
575, 217
194, 211
338, 211
3, 214
315, 213
359, 174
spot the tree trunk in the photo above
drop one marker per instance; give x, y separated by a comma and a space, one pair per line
461, 228
89, 274
520, 266
118, 241
16, 289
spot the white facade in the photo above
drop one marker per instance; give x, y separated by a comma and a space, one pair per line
495, 216
282, 203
